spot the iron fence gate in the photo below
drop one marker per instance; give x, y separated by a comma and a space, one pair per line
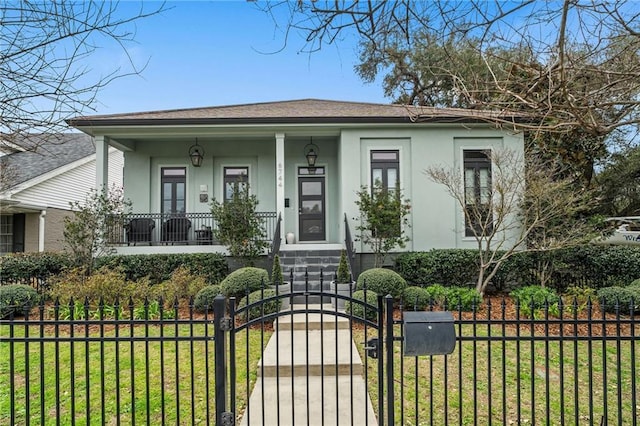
310, 371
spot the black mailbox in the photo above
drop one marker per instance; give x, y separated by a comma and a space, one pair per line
428, 333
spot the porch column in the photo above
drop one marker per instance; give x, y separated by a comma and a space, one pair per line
41, 223
102, 162
280, 178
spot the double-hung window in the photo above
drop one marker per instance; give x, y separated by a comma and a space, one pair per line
477, 192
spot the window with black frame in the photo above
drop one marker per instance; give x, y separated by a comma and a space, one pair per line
235, 177
477, 192
385, 168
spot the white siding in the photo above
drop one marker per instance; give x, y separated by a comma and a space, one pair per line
72, 185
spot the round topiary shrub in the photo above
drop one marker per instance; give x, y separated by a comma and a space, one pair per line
382, 281
17, 299
203, 302
244, 280
358, 310
257, 310
623, 299
415, 298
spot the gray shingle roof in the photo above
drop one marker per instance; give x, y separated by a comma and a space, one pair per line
51, 153
295, 111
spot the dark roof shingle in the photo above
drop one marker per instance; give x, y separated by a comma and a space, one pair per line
294, 111
51, 153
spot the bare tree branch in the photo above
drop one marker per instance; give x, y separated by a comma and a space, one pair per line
45, 53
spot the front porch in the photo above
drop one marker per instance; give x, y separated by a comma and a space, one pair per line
139, 233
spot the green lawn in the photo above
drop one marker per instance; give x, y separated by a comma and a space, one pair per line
141, 382
152, 382
514, 383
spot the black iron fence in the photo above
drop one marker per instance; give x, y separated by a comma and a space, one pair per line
125, 364
172, 229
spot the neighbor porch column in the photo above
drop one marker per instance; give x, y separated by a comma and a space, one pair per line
41, 223
102, 162
280, 178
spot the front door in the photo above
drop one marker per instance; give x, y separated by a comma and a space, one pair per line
311, 207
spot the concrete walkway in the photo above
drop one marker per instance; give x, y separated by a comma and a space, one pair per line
290, 385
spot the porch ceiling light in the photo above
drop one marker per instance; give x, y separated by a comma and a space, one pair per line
311, 152
196, 153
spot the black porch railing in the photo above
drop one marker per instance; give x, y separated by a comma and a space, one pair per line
351, 252
172, 229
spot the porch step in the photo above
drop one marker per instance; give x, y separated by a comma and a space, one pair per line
304, 353
310, 269
312, 321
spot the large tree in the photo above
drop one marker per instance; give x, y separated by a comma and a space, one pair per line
567, 69
48, 68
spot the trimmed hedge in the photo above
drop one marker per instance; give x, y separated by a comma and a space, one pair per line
22, 268
358, 310
623, 299
260, 309
382, 281
17, 299
594, 266
204, 299
159, 267
244, 280
415, 298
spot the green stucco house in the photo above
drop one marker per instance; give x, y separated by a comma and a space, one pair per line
177, 161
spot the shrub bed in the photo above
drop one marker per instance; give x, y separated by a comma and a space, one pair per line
594, 266
159, 267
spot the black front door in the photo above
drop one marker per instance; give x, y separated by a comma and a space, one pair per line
311, 217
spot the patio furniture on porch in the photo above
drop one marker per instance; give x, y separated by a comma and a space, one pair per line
139, 230
176, 229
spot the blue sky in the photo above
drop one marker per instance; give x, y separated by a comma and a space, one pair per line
216, 53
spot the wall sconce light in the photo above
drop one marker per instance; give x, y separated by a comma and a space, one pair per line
311, 153
196, 153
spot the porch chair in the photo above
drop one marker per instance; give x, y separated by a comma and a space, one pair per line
176, 229
139, 230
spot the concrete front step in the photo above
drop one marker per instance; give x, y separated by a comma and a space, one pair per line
328, 400
313, 353
312, 321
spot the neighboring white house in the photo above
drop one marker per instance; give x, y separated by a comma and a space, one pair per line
268, 145
38, 185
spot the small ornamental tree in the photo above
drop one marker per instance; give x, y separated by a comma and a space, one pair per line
343, 276
276, 271
239, 227
383, 219
101, 213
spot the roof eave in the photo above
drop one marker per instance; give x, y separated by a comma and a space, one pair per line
109, 122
